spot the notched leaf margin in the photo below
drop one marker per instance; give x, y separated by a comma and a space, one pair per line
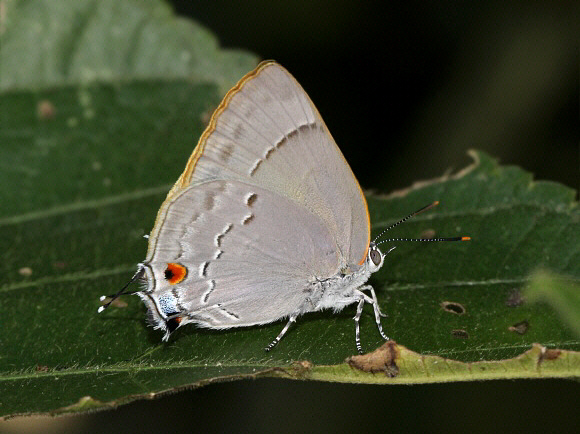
475, 155
389, 364
397, 364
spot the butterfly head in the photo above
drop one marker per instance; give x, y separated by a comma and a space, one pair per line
376, 258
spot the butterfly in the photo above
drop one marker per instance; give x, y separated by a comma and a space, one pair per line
267, 222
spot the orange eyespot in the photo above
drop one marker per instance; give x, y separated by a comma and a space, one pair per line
175, 273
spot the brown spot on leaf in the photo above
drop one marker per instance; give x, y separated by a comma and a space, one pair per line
548, 354
300, 369
515, 298
428, 234
45, 110
460, 334
520, 328
383, 359
304, 364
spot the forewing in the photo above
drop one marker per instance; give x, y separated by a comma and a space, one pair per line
267, 133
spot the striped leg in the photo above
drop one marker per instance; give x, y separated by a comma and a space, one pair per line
284, 330
362, 297
377, 309
359, 309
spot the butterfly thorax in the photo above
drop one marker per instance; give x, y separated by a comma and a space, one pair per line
341, 290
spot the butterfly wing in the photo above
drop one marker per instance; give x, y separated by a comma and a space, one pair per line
251, 255
266, 207
267, 133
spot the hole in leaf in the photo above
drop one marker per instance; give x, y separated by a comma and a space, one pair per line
453, 307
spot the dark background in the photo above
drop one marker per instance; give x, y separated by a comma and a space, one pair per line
405, 88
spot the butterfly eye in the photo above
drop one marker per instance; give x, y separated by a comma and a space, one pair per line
375, 256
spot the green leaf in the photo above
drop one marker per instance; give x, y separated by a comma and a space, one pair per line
91, 143
562, 293
47, 44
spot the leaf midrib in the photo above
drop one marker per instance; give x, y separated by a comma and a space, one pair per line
84, 205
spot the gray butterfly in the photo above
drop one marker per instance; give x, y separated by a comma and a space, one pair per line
266, 222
